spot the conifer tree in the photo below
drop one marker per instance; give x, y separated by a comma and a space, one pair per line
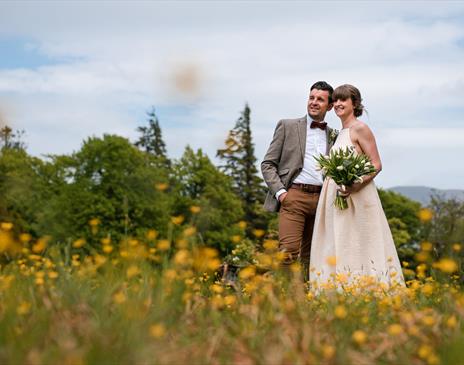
240, 164
151, 139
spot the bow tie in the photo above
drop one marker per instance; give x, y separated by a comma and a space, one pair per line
321, 125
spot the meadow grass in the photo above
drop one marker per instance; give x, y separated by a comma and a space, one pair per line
163, 302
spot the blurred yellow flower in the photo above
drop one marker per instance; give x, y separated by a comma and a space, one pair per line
189, 231
151, 234
157, 330
107, 248
359, 337
426, 246
40, 245
106, 241
395, 329
94, 222
451, 322
422, 256
178, 219
161, 186
425, 214
456, 247
6, 226
78, 243
331, 260
328, 351
428, 320
119, 297
236, 238
258, 233
270, 244
247, 272
195, 209
427, 289
181, 257
242, 224
424, 351
132, 271
25, 237
446, 265
23, 308
230, 300
163, 245
52, 274
340, 312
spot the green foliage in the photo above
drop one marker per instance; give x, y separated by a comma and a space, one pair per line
151, 139
240, 165
109, 180
447, 224
200, 183
405, 225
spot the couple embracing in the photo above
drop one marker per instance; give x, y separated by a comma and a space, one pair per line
354, 243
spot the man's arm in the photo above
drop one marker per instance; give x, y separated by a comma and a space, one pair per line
271, 161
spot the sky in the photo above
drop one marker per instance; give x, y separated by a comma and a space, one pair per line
70, 70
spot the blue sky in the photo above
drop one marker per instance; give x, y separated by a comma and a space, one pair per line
69, 70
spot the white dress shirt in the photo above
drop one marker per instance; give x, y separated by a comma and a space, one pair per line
316, 143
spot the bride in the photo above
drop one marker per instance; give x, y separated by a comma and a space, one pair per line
354, 244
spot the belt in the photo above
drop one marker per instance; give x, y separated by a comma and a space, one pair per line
307, 188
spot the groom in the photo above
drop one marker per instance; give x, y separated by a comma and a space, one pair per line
289, 170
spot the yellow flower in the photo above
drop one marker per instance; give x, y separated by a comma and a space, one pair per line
23, 308
359, 337
236, 238
181, 257
331, 260
132, 271
52, 274
456, 247
230, 300
25, 237
340, 311
428, 321
107, 248
78, 243
242, 224
157, 330
151, 234
119, 297
446, 265
195, 209
424, 351
218, 289
425, 214
270, 244
426, 246
189, 231
6, 226
328, 351
247, 272
427, 289
451, 322
40, 245
163, 245
258, 233
422, 256
178, 219
161, 186
106, 241
94, 222
394, 329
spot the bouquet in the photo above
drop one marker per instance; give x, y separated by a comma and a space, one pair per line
345, 167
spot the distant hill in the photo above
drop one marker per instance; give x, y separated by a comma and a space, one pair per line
423, 194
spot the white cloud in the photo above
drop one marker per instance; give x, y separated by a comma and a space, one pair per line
121, 57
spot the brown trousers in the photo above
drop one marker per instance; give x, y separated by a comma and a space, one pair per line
296, 223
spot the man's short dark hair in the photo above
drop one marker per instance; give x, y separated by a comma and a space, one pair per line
322, 85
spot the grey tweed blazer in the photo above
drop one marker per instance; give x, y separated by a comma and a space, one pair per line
284, 158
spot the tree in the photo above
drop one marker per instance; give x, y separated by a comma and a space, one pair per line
108, 179
240, 164
10, 139
151, 140
202, 185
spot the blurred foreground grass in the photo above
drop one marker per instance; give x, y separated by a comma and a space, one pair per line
155, 301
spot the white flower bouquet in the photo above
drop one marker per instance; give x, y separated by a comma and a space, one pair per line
345, 167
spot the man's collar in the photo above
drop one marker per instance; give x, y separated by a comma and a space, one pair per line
309, 119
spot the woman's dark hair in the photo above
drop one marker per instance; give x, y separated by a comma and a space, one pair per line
347, 91
322, 85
